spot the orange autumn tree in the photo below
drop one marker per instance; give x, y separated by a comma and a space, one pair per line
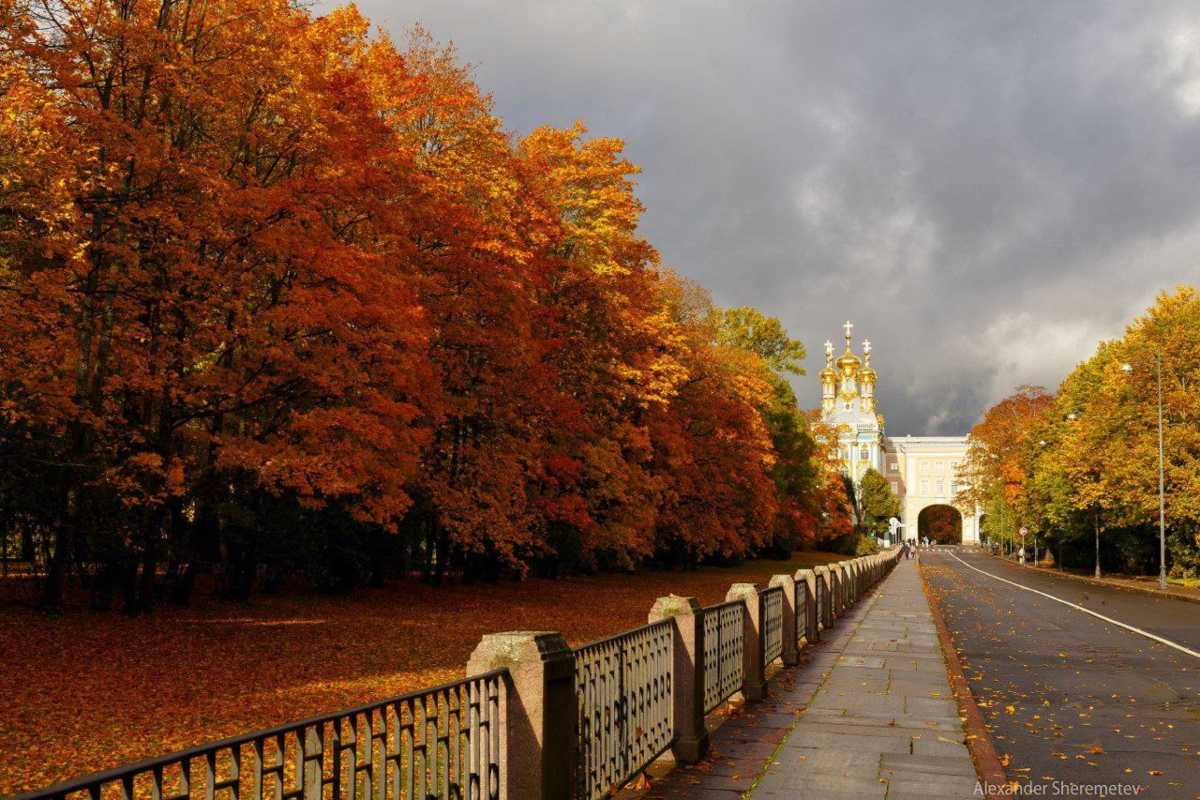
211, 298
994, 470
278, 300
481, 257
831, 518
613, 347
711, 448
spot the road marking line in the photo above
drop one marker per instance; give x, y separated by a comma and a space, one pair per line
1118, 623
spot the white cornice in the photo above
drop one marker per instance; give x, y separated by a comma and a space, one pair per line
921, 444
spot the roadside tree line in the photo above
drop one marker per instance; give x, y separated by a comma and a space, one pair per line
1083, 461
279, 298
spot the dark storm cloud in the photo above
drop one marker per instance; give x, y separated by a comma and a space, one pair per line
985, 189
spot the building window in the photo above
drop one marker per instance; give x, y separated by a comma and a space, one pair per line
939, 465
895, 487
953, 465
862, 453
924, 465
925, 486
941, 487
953, 487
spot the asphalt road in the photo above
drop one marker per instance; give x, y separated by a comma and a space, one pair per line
1068, 697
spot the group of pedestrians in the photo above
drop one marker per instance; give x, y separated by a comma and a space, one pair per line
909, 547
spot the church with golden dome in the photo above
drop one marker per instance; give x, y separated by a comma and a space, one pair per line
924, 472
848, 406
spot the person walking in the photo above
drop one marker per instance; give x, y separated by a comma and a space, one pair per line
905, 551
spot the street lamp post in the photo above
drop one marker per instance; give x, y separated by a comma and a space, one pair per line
1162, 512
1041, 443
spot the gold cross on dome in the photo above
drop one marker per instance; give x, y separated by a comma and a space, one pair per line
866, 347
848, 326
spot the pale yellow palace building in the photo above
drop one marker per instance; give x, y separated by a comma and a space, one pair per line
923, 470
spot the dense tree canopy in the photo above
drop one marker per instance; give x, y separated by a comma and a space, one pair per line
279, 298
1086, 457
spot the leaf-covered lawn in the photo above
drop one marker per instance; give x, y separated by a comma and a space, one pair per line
92, 690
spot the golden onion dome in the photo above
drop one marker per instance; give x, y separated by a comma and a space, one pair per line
850, 360
867, 375
828, 374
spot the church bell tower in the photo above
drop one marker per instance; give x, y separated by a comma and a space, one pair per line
848, 406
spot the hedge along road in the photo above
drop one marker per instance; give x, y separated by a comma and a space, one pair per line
1068, 696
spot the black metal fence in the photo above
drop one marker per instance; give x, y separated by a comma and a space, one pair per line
800, 604
723, 652
770, 605
449, 741
440, 742
623, 688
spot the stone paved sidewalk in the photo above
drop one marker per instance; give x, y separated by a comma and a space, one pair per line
868, 713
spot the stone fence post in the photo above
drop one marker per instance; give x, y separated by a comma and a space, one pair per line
687, 675
822, 574
537, 739
844, 579
754, 682
791, 648
839, 595
807, 580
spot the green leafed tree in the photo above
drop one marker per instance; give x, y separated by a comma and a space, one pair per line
796, 472
877, 504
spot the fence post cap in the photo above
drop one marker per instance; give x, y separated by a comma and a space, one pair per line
820, 569
782, 580
803, 574
673, 606
742, 591
512, 649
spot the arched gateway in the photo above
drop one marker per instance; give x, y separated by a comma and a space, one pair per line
924, 471
940, 524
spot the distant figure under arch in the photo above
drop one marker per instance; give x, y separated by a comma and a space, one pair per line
942, 524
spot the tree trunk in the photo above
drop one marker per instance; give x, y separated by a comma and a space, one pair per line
64, 545
27, 550
149, 577
427, 570
443, 558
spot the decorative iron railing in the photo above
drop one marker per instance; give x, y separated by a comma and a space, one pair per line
436, 743
770, 609
723, 643
801, 606
446, 742
624, 721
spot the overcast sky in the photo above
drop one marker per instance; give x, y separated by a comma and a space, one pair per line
985, 189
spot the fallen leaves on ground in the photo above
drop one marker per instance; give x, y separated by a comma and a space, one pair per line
93, 690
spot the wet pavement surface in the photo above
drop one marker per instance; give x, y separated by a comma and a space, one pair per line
1069, 698
868, 713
